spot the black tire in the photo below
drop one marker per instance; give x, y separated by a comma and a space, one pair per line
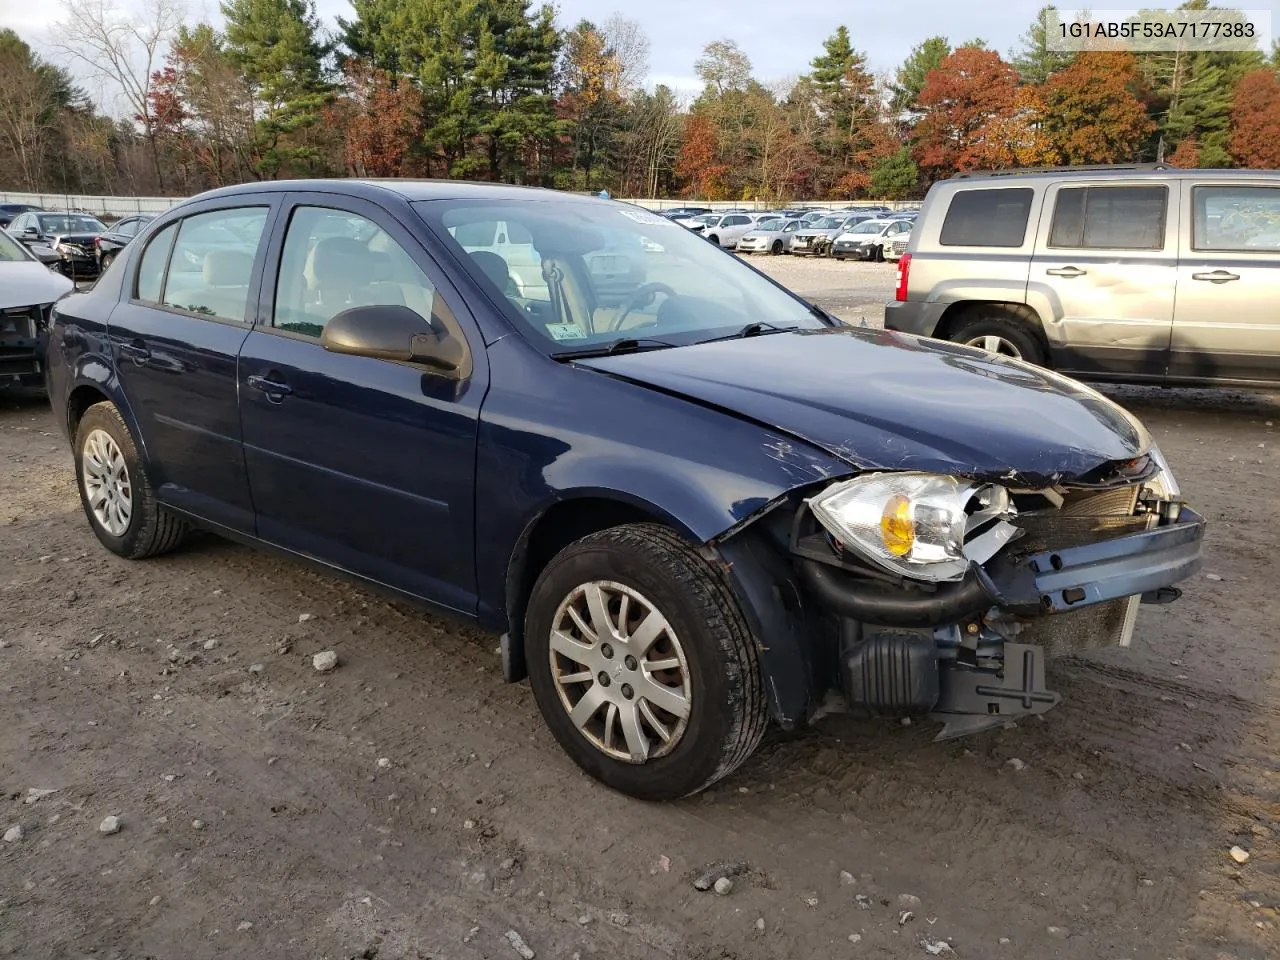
152, 528
105, 262
776, 248
1012, 329
727, 712
879, 254
714, 239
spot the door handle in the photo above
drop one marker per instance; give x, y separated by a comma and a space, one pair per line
274, 389
1216, 276
1067, 272
136, 352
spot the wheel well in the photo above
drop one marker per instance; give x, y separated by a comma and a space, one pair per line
81, 399
562, 524
963, 310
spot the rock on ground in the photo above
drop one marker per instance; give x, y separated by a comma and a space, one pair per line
324, 662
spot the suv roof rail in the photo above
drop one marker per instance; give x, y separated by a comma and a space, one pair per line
1085, 168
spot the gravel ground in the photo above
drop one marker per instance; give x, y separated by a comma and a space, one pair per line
409, 804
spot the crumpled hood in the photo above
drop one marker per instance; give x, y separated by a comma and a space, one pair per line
26, 282
878, 399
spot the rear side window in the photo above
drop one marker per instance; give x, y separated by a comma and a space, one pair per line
1110, 218
154, 259
987, 218
211, 269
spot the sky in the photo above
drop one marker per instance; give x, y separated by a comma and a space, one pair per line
780, 36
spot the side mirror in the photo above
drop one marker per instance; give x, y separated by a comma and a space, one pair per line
394, 333
31, 232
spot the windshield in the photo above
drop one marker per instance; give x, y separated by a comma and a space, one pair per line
57, 224
826, 223
868, 226
11, 250
581, 275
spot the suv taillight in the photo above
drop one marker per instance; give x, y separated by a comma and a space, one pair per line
904, 268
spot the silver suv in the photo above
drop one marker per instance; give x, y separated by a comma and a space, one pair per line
1144, 274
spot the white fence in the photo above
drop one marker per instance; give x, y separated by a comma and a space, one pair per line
128, 206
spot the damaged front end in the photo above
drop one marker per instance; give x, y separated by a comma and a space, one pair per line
942, 596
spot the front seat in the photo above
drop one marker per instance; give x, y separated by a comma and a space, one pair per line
495, 268
340, 273
572, 295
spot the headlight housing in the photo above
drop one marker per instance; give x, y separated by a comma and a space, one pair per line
1163, 483
922, 526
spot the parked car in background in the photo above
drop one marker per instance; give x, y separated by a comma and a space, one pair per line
867, 240
896, 247
27, 291
685, 213
10, 210
1132, 273
705, 507
811, 216
725, 229
772, 236
816, 238
62, 241
117, 238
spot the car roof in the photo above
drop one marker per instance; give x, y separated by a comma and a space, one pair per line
375, 189
1159, 172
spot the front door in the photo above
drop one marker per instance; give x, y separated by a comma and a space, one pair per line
1227, 321
368, 465
176, 338
1105, 266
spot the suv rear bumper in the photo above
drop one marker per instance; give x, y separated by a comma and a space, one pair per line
913, 316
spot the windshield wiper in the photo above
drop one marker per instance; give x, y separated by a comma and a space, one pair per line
625, 345
753, 329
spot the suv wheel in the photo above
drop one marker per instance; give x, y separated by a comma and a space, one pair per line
1003, 335
114, 489
642, 664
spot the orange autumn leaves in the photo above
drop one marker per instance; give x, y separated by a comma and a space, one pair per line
978, 116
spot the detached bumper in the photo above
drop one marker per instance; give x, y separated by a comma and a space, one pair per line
1058, 581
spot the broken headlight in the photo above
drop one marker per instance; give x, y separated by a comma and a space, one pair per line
919, 525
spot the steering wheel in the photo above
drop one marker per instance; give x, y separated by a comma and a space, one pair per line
642, 297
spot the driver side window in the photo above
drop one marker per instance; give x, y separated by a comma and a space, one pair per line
334, 260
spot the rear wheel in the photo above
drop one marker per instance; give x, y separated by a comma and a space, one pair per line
1001, 334
642, 664
114, 490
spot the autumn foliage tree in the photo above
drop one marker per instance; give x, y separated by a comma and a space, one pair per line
966, 99
382, 120
1091, 113
699, 163
1255, 117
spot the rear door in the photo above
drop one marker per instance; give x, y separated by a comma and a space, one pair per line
1227, 321
175, 338
1106, 265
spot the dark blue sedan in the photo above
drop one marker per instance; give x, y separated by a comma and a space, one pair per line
689, 506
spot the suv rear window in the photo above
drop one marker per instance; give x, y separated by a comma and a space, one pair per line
1110, 218
987, 218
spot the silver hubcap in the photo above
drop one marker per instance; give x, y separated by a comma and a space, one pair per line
995, 344
620, 671
106, 482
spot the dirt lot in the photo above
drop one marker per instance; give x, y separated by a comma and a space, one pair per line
181, 690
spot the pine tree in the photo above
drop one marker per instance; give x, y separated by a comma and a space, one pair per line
276, 43
1035, 62
896, 176
911, 75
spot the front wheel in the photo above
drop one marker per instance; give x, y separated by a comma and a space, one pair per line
714, 239
106, 262
776, 248
114, 490
642, 664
